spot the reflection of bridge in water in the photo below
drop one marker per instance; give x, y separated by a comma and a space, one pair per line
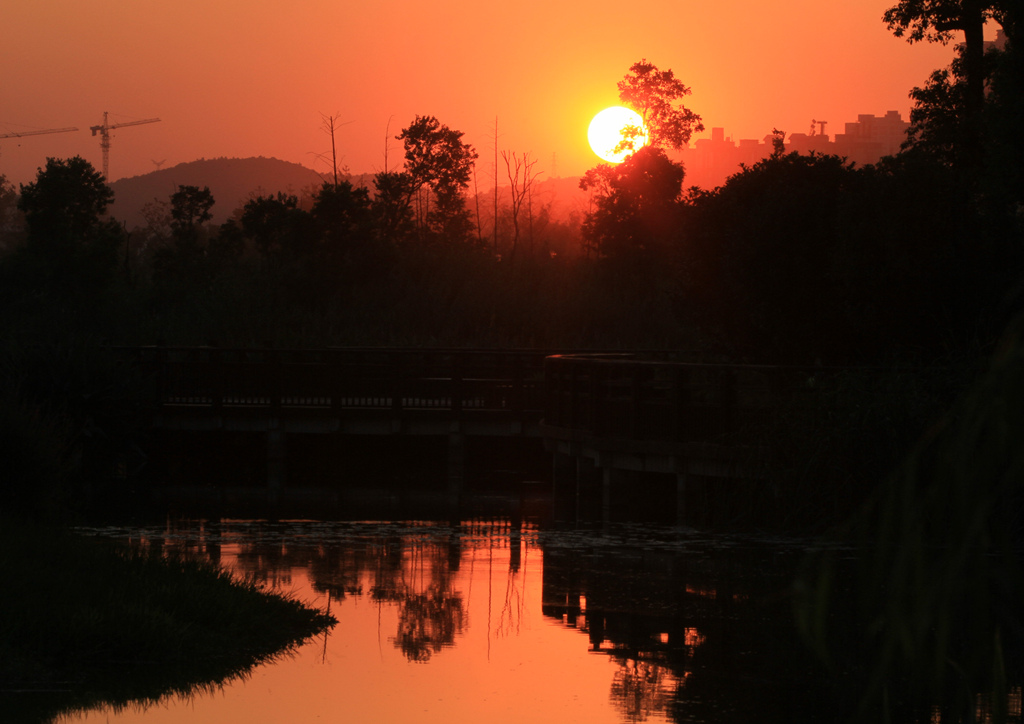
614, 420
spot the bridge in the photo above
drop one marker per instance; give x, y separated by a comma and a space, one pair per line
617, 413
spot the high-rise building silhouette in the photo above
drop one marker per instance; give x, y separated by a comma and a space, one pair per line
710, 161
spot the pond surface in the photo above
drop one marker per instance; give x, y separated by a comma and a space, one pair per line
484, 621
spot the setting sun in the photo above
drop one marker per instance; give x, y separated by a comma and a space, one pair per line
608, 130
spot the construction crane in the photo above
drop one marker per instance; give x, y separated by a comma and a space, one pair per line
104, 131
37, 133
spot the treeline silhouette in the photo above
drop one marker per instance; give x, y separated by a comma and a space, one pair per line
910, 264
803, 259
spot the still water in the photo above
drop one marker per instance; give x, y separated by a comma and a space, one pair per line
486, 621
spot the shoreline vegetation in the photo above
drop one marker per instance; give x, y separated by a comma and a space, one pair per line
85, 623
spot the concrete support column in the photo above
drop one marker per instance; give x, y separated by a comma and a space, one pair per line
580, 462
456, 465
681, 476
607, 480
277, 468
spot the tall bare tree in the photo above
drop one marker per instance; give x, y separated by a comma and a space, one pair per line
520, 178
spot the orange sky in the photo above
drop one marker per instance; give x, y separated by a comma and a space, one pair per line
236, 79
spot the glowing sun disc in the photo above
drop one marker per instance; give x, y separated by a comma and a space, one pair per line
606, 131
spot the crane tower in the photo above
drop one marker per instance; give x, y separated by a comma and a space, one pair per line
104, 131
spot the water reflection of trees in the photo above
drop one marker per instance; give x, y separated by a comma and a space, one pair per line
643, 687
696, 636
412, 569
428, 622
417, 575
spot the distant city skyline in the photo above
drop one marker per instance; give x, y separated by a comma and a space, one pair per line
709, 161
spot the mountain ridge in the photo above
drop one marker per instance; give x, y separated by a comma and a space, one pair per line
232, 181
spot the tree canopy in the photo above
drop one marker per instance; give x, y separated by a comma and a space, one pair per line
66, 202
636, 202
190, 208
437, 157
655, 95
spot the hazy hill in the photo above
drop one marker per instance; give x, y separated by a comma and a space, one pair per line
232, 182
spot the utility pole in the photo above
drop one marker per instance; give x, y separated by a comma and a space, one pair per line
495, 184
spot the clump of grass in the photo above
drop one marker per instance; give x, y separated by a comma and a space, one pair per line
89, 623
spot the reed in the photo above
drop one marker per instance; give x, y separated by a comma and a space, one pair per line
936, 614
86, 623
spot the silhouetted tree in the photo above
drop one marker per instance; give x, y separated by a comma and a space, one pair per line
157, 217
186, 256
1004, 117
437, 157
68, 231
190, 208
280, 230
758, 257
655, 95
344, 230
11, 221
936, 21
937, 118
778, 143
805, 258
66, 203
391, 208
635, 208
987, 150
520, 179
227, 247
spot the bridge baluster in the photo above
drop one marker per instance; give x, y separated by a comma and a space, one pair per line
456, 383
276, 380
518, 392
216, 372
397, 385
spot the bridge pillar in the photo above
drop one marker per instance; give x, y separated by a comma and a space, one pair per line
276, 464
585, 474
681, 476
564, 485
612, 479
607, 479
456, 464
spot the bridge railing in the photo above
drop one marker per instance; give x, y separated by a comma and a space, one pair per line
336, 379
658, 400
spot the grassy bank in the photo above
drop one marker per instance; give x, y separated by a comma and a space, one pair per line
84, 623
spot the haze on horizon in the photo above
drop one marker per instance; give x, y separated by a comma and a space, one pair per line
239, 79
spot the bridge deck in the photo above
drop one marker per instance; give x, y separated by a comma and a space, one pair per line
623, 413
